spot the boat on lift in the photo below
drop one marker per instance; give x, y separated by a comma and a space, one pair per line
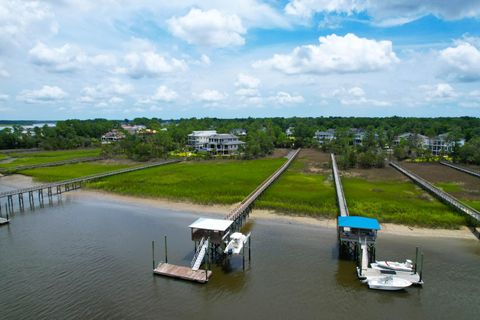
406, 266
235, 245
389, 283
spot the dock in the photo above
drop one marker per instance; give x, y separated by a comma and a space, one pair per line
181, 272
11, 170
439, 194
462, 169
56, 188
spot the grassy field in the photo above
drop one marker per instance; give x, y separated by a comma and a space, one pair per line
23, 159
70, 171
205, 182
398, 202
303, 189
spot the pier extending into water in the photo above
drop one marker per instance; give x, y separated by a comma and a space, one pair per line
210, 235
462, 169
440, 194
49, 190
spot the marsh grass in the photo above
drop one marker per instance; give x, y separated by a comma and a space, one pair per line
70, 171
205, 182
398, 202
23, 159
299, 192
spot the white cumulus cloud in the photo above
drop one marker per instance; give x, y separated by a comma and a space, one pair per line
44, 94
3, 97
462, 61
211, 28
334, 54
62, 59
164, 93
247, 86
439, 91
209, 95
106, 92
285, 98
151, 64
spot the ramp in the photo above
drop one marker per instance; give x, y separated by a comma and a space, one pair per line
199, 255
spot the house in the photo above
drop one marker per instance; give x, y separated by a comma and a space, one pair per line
416, 139
133, 129
214, 143
290, 131
324, 136
112, 136
442, 144
198, 140
358, 136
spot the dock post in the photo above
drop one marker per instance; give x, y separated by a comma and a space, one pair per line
421, 268
20, 201
243, 258
153, 254
416, 259
166, 256
249, 248
30, 200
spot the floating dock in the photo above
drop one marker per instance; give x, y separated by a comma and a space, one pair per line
370, 273
4, 221
181, 272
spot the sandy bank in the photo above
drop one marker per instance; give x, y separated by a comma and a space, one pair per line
221, 211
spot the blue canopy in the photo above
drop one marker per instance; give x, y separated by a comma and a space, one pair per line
359, 223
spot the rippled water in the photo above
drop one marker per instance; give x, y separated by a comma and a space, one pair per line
90, 259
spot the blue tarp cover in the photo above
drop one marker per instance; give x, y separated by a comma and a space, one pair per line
358, 223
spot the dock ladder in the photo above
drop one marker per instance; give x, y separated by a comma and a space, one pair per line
200, 254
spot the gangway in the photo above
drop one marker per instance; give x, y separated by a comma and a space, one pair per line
200, 254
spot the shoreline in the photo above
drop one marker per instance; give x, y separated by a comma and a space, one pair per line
20, 181
262, 214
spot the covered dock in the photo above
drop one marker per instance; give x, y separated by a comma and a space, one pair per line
354, 231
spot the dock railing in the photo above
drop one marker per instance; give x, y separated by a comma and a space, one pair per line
459, 168
440, 194
238, 210
341, 201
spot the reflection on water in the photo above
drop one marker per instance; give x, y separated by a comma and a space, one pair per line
90, 259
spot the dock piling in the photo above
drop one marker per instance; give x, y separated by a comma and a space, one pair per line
153, 254
166, 252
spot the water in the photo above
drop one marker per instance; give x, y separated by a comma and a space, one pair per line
90, 259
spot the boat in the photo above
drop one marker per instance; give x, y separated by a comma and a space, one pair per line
390, 283
406, 266
235, 244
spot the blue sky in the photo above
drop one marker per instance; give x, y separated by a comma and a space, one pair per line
118, 59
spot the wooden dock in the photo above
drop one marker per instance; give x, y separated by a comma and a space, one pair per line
341, 201
440, 194
182, 272
462, 169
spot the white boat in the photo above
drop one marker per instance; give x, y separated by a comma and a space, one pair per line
406, 266
388, 283
235, 244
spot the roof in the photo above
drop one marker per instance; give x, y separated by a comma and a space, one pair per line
358, 223
211, 224
223, 136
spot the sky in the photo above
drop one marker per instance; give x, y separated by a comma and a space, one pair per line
117, 59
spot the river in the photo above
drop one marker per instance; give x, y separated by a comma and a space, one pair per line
90, 259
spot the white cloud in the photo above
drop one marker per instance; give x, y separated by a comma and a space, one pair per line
3, 97
356, 96
20, 20
462, 62
285, 98
440, 91
165, 94
387, 12
205, 60
106, 92
62, 59
45, 94
210, 28
247, 86
4, 73
208, 95
151, 64
356, 92
334, 54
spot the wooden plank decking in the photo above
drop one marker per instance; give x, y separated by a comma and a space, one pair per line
182, 272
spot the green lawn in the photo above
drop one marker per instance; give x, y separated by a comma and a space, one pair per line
300, 192
449, 187
70, 171
398, 202
205, 182
22, 159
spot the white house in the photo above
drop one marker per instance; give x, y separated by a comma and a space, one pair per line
214, 143
324, 136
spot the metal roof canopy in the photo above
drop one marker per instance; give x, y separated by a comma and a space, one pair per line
211, 224
358, 223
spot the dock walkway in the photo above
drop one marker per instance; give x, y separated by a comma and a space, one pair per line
341, 201
440, 194
181, 272
10, 170
462, 169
